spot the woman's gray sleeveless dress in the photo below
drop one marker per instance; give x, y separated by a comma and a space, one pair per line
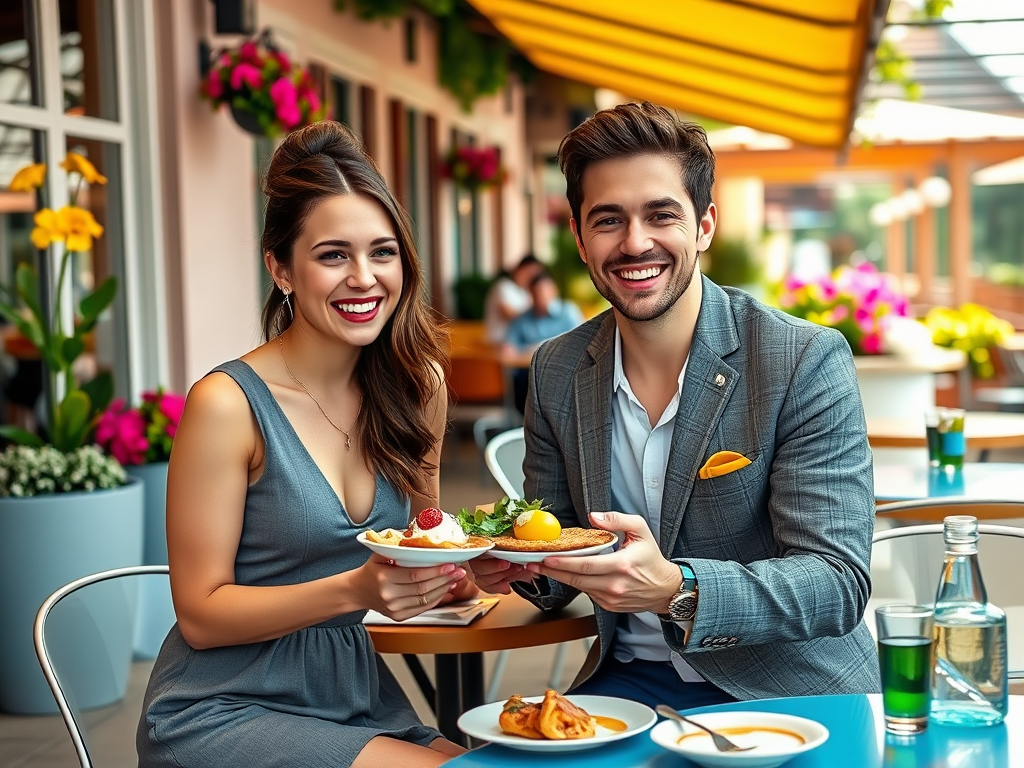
310, 699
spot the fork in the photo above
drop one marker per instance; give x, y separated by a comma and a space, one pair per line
722, 744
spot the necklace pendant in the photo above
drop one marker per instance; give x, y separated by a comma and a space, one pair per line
348, 443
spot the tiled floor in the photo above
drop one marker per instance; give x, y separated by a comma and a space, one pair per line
42, 742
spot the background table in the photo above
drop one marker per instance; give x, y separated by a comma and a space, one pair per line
901, 481
983, 430
857, 737
458, 651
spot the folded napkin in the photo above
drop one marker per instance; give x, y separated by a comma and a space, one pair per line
451, 614
722, 463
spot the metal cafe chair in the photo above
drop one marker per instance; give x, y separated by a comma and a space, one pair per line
88, 618
504, 458
910, 574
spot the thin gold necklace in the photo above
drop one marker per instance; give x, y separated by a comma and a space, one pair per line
348, 438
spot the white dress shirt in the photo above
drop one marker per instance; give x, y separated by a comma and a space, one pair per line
639, 462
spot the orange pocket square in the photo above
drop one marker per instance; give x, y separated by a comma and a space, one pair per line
722, 463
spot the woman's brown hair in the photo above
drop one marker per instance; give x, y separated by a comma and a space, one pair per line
396, 372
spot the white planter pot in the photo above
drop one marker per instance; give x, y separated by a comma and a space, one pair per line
156, 611
46, 542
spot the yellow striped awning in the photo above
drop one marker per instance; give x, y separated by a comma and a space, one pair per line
791, 67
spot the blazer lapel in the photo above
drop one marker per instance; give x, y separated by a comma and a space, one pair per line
707, 386
594, 420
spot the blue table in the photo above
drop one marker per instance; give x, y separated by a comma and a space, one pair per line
856, 738
901, 481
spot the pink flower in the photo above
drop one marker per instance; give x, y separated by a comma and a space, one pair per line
214, 85
286, 102
310, 97
121, 432
871, 344
172, 407
248, 74
249, 53
282, 59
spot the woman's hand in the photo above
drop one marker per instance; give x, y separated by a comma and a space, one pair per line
401, 593
495, 575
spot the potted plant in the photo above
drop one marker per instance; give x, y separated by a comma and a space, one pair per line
971, 329
66, 509
267, 93
140, 438
859, 302
473, 168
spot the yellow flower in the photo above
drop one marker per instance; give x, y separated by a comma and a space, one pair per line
47, 230
79, 226
76, 163
28, 178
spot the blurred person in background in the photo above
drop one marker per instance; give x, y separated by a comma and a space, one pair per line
549, 316
509, 296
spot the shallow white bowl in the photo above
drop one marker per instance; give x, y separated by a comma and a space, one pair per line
411, 557
772, 749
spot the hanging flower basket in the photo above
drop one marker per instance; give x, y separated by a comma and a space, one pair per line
473, 167
267, 94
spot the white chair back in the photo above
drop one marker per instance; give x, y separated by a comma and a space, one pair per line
504, 456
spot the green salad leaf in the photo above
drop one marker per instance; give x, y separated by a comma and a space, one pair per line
479, 523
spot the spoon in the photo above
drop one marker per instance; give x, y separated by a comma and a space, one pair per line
722, 744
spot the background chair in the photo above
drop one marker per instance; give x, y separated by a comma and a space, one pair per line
94, 613
504, 458
906, 561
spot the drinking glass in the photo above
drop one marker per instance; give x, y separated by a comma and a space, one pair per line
944, 428
905, 661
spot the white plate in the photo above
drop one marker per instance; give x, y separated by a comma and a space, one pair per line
482, 723
536, 557
771, 750
411, 557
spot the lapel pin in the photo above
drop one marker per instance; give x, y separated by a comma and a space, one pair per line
719, 380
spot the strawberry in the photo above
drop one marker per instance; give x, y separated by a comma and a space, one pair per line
430, 517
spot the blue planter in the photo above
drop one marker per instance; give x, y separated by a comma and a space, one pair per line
46, 542
156, 611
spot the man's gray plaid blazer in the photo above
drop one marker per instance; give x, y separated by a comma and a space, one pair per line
780, 547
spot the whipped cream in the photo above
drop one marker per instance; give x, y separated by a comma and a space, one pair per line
448, 530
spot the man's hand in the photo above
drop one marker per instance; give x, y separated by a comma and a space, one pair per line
495, 576
633, 579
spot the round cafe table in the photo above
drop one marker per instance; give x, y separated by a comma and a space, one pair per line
857, 737
983, 431
458, 651
901, 481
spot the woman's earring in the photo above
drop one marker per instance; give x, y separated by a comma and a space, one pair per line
288, 302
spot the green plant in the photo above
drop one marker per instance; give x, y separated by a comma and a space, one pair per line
69, 421
37, 470
470, 293
971, 329
729, 261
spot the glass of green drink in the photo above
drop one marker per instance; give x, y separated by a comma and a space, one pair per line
905, 661
946, 442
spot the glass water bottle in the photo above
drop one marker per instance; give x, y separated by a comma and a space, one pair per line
969, 676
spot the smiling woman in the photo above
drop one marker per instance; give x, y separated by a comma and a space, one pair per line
282, 459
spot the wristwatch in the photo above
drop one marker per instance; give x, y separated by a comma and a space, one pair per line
683, 605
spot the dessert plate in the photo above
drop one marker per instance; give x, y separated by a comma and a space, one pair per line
411, 557
482, 723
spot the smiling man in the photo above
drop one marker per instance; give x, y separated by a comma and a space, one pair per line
723, 440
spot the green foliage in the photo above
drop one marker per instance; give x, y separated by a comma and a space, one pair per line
72, 419
383, 10
470, 294
729, 261
499, 521
470, 64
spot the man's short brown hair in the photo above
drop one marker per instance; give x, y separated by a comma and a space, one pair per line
633, 129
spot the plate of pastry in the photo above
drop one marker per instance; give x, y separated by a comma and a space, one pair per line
434, 537
571, 542
557, 723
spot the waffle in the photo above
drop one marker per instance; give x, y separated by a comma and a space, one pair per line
570, 539
424, 543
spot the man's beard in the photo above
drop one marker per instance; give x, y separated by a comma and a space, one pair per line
670, 294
